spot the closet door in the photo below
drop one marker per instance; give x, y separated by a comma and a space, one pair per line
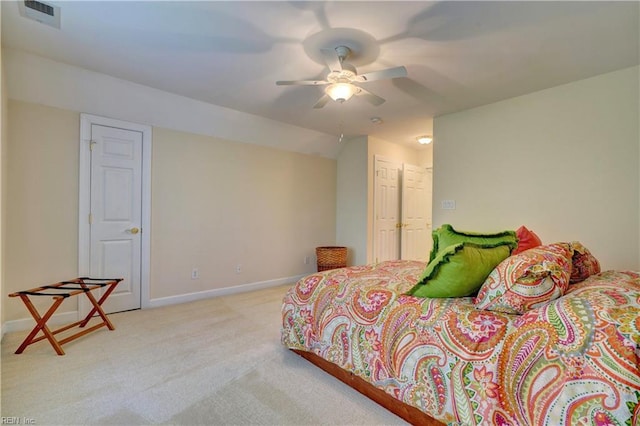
416, 213
402, 211
386, 210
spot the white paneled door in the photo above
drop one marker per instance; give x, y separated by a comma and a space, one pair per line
115, 209
402, 211
386, 199
116, 212
416, 213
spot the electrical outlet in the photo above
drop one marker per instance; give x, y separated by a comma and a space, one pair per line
238, 268
195, 274
306, 260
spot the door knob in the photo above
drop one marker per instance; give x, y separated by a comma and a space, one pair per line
134, 230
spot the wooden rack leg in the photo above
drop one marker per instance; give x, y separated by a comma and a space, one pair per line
41, 324
97, 308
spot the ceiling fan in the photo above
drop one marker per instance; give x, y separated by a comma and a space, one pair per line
343, 81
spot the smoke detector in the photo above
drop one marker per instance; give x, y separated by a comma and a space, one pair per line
44, 13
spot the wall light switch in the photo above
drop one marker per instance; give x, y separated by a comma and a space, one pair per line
195, 274
448, 204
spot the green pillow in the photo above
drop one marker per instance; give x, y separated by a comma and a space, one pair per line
446, 236
459, 270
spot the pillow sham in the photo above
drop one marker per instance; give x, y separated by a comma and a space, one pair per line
527, 280
446, 236
459, 270
526, 239
584, 264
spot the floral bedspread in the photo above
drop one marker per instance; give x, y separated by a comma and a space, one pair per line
575, 361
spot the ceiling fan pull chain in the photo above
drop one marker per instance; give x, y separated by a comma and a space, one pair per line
341, 124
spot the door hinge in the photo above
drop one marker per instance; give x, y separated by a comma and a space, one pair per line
90, 219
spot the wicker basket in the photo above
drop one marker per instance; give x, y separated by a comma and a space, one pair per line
331, 257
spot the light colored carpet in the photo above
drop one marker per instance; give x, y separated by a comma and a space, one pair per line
212, 362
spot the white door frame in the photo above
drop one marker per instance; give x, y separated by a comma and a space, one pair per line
84, 229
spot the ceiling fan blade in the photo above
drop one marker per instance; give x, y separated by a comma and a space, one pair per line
322, 101
369, 97
331, 59
302, 83
383, 74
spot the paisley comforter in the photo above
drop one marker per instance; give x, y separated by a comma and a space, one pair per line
574, 361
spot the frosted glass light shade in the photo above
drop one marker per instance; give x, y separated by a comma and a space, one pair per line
340, 91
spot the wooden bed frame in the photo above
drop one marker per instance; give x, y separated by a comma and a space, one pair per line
399, 408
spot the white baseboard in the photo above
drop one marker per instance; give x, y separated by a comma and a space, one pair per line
70, 317
191, 297
28, 323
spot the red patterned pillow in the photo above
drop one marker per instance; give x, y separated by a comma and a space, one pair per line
527, 280
584, 263
526, 239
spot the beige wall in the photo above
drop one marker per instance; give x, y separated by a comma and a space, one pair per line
42, 201
563, 161
351, 213
215, 204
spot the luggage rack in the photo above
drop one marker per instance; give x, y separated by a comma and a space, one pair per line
60, 292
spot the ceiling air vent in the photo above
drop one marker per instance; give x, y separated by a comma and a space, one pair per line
42, 12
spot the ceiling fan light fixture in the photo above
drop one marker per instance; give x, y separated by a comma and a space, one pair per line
340, 91
424, 140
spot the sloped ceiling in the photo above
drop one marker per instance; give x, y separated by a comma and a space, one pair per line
230, 53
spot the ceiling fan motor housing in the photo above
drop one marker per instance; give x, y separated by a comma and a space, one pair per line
346, 75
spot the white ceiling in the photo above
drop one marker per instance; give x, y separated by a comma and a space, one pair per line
230, 53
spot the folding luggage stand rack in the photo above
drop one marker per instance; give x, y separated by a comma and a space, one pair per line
59, 292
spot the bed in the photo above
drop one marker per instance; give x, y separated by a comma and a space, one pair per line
569, 360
